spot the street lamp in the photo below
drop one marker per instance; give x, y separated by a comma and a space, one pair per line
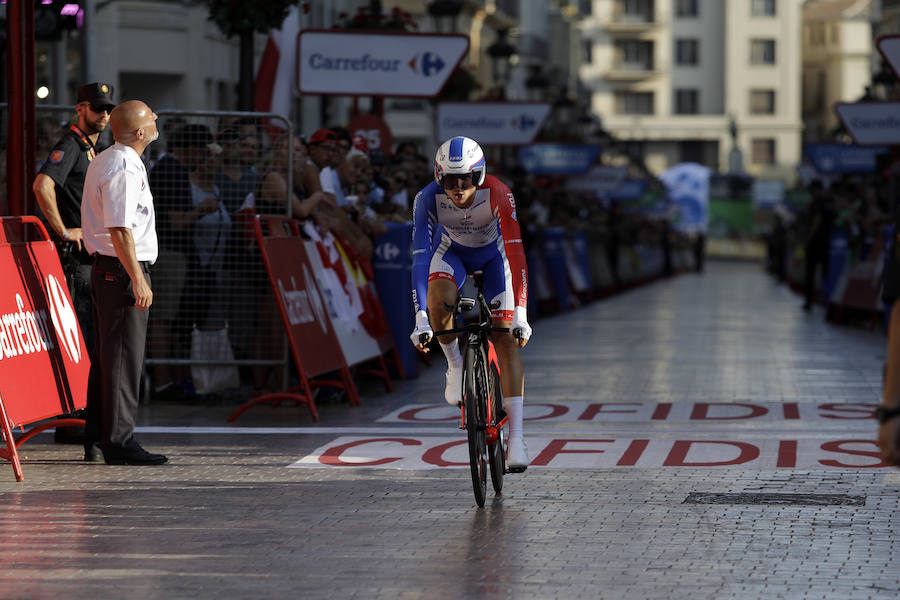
500, 52
537, 82
441, 10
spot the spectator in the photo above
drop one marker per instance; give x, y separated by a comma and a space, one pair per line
818, 238
209, 229
119, 229
237, 177
58, 189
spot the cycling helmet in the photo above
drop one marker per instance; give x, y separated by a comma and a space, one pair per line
459, 156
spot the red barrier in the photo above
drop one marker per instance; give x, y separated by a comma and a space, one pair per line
314, 344
44, 363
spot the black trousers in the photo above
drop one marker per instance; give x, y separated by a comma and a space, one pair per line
120, 332
814, 256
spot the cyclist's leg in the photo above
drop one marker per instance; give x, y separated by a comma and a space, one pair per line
446, 271
499, 292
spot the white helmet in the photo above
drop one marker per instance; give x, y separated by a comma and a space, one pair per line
460, 156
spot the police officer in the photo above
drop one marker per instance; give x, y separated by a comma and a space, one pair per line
58, 189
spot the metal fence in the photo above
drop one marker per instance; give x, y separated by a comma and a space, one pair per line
210, 172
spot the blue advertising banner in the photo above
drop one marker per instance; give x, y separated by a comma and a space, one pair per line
838, 255
688, 188
557, 159
843, 158
631, 189
582, 257
393, 279
553, 242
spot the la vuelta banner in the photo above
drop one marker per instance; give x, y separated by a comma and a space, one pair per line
44, 363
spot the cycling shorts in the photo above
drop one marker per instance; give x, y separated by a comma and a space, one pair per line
453, 262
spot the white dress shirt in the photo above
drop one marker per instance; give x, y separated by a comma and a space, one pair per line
117, 194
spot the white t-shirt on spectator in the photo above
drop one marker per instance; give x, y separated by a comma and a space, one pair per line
117, 194
331, 184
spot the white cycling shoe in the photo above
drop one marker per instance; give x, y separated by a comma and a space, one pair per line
517, 455
453, 387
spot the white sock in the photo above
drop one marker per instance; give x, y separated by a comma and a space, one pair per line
513, 406
451, 351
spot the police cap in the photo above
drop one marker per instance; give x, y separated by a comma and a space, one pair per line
98, 94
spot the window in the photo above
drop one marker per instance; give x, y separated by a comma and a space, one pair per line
835, 33
687, 101
687, 51
588, 51
762, 151
634, 103
762, 102
762, 52
762, 8
637, 11
635, 55
686, 8
817, 34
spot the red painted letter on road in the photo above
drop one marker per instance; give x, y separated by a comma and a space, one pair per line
332, 456
680, 450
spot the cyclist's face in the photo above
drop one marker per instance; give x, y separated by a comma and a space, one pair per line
452, 182
459, 188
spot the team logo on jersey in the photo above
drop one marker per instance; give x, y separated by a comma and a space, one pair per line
56, 156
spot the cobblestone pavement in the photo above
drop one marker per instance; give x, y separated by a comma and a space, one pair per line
701, 437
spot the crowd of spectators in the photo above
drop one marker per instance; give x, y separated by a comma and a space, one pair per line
799, 241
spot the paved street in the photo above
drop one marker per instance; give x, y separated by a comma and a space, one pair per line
700, 437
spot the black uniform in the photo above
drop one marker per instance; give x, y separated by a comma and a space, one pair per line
67, 165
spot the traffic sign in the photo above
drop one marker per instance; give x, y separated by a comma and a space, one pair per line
492, 122
889, 47
871, 123
373, 63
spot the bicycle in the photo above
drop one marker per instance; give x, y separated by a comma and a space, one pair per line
482, 414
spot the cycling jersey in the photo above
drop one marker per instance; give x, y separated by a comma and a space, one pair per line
449, 242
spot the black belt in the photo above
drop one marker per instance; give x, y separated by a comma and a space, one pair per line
101, 259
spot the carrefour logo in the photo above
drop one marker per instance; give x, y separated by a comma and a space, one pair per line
429, 64
387, 251
426, 63
64, 320
523, 122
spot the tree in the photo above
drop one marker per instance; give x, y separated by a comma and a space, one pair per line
243, 19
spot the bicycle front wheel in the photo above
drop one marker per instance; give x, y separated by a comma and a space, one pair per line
475, 399
496, 453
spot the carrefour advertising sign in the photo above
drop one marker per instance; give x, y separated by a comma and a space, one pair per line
491, 122
376, 64
558, 159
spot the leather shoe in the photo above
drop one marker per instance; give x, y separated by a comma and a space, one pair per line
90, 454
130, 453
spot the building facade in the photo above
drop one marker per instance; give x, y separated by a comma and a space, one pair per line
837, 61
704, 81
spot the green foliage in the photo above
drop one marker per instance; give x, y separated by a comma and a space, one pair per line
234, 17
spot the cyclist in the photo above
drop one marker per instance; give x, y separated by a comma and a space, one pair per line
466, 221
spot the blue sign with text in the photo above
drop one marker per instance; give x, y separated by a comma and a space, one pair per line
843, 158
558, 159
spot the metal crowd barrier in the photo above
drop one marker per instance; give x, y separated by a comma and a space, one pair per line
209, 278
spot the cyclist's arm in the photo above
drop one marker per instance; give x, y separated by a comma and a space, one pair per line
424, 220
504, 206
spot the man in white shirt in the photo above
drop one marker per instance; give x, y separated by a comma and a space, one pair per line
119, 227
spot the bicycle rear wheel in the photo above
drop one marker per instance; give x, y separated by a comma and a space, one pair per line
496, 455
475, 395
